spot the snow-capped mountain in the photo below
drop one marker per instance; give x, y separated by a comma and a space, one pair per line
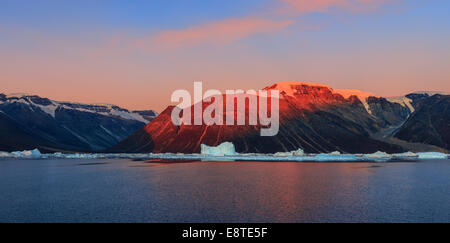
36, 122
313, 117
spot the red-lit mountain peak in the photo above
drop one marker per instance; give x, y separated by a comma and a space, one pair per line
313, 117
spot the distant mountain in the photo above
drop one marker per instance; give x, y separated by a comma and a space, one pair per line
412, 100
30, 121
148, 115
313, 117
430, 122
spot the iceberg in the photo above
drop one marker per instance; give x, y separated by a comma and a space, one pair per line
432, 155
223, 149
35, 153
298, 152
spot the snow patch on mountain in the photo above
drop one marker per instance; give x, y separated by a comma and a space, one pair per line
50, 109
128, 115
403, 101
51, 106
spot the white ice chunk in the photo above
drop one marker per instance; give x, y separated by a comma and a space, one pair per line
223, 149
298, 152
406, 155
432, 155
129, 116
35, 153
378, 154
5, 155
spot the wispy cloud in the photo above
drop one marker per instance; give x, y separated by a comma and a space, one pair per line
309, 6
216, 32
229, 30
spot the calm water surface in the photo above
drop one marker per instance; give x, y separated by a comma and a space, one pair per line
138, 191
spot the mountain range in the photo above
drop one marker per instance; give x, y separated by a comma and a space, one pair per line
313, 117
30, 121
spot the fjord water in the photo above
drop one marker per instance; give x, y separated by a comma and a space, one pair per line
138, 191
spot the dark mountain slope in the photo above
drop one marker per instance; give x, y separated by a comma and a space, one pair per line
37, 122
430, 123
15, 137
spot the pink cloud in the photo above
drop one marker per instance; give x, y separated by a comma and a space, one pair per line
233, 29
309, 6
216, 32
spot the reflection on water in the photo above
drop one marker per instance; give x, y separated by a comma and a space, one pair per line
157, 191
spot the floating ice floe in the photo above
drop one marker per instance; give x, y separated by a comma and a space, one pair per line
35, 153
227, 152
4, 154
432, 155
406, 155
298, 152
334, 157
378, 156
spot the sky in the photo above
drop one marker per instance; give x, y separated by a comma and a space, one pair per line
136, 53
